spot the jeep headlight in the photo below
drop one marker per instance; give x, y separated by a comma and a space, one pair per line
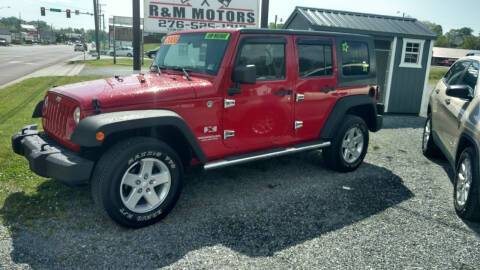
76, 115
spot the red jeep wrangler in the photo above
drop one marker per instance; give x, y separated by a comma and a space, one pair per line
213, 98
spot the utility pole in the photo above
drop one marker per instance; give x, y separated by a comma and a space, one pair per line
114, 42
264, 22
136, 35
95, 14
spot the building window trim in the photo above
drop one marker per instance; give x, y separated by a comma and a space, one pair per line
420, 53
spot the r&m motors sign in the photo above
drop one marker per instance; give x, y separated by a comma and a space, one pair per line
163, 16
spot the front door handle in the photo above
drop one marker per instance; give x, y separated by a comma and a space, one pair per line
437, 91
447, 101
283, 92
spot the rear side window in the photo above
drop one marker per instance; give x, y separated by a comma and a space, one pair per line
269, 59
314, 60
355, 58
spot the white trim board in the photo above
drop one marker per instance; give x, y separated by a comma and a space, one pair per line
390, 72
426, 92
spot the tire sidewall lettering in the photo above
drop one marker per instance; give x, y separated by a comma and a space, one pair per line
145, 217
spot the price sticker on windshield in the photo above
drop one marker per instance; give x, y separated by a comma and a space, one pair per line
218, 36
171, 40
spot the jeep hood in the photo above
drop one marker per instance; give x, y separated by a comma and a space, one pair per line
132, 90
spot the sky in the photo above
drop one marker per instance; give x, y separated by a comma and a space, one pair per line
449, 14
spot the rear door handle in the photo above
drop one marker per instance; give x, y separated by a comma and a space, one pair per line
447, 101
283, 92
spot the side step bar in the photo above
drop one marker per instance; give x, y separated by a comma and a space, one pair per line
235, 160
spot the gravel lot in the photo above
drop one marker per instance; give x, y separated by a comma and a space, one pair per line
395, 211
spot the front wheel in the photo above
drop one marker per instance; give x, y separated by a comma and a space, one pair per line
429, 148
138, 181
349, 146
466, 187
129, 54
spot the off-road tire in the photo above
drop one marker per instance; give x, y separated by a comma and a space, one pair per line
471, 209
107, 178
333, 155
429, 148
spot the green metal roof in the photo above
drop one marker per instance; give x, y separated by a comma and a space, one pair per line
361, 23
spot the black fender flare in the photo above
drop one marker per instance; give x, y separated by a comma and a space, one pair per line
110, 123
342, 106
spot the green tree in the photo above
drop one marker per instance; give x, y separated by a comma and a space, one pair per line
442, 42
434, 27
272, 25
471, 43
456, 37
12, 23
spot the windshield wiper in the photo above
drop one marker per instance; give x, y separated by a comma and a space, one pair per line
185, 72
159, 69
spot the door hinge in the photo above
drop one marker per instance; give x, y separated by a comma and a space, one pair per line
299, 97
298, 124
228, 103
227, 134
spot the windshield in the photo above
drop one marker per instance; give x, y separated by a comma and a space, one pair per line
197, 52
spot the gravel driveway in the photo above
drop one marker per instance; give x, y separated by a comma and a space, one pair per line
395, 211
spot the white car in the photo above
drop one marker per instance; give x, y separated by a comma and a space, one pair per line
122, 51
79, 47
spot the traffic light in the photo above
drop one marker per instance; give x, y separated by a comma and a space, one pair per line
42, 11
68, 13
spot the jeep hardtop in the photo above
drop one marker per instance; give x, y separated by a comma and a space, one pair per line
213, 98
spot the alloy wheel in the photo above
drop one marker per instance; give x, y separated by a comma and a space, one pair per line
464, 181
352, 145
145, 185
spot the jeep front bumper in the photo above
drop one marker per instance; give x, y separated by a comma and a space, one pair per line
49, 159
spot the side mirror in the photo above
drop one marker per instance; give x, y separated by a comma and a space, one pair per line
460, 91
245, 74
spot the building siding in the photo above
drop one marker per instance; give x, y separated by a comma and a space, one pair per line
407, 83
299, 23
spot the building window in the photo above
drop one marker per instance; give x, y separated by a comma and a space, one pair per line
412, 53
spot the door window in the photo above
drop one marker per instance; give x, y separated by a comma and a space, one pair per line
471, 76
314, 60
454, 75
269, 59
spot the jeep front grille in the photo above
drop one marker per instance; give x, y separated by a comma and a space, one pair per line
56, 114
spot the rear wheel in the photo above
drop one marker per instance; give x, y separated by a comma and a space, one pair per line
466, 186
349, 147
138, 181
429, 148
129, 54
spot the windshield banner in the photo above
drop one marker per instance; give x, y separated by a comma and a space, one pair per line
164, 16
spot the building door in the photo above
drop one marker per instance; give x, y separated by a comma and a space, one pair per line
382, 54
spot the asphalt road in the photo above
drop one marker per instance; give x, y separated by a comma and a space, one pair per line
394, 212
18, 61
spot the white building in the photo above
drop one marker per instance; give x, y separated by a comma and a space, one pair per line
5, 34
